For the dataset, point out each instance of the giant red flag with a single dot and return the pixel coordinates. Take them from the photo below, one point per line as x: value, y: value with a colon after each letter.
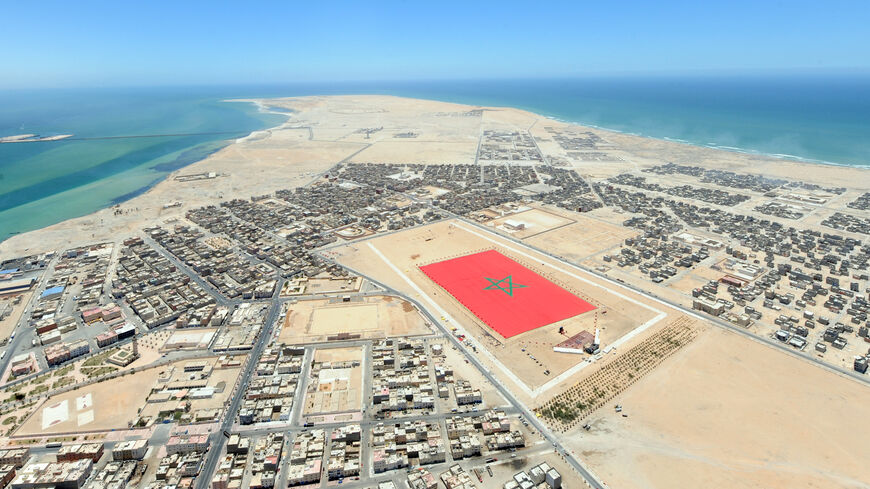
x: 505, y: 295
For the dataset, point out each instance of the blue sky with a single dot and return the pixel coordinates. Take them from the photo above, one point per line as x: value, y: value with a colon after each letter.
x: 188, y: 42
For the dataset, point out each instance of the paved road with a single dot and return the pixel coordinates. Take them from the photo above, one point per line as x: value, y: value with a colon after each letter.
x: 217, y: 438
x: 21, y: 332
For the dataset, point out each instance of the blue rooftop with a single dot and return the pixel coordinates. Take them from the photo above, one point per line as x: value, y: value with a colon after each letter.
x: 53, y: 290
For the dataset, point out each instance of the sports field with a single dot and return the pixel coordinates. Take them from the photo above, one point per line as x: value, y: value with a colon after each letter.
x: 508, y: 297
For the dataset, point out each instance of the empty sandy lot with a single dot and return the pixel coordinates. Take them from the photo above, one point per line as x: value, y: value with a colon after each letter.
x: 349, y: 354
x: 351, y: 318
x: 111, y: 404
x: 535, y: 221
x: 587, y: 236
x: 729, y: 412
x: 376, y: 316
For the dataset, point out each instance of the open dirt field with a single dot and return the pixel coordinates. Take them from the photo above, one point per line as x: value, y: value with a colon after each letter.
x: 338, y: 355
x: 9, y: 322
x: 106, y: 405
x: 427, y: 152
x: 536, y: 221
x: 529, y: 356
x: 585, y: 237
x: 370, y: 317
x: 112, y: 406
x: 351, y: 318
x: 729, y: 412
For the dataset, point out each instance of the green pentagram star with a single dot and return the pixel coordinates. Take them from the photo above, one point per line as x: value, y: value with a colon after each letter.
x: 500, y: 285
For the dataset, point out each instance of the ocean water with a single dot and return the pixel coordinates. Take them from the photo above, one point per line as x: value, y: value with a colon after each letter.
x: 822, y: 119
x: 42, y: 183
x: 810, y: 118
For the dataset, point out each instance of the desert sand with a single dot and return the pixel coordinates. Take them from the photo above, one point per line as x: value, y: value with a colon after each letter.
x: 311, y: 321
x: 727, y: 411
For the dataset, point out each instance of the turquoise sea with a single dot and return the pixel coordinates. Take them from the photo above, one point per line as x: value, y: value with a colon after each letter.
x: 812, y: 118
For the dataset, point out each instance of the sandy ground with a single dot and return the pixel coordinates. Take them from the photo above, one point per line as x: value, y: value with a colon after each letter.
x: 8, y: 324
x: 587, y: 236
x: 729, y: 412
x: 110, y: 407
x: 352, y: 318
x: 535, y: 221
x: 338, y: 354
x: 376, y: 316
x: 113, y: 407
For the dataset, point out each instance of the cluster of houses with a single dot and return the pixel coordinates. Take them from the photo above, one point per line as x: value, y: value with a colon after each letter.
x: 782, y: 209
x: 230, y: 472
x: 185, y: 455
x: 862, y: 203
x: 722, y: 178
x: 344, y: 452
x: 847, y: 222
x: 657, y: 258
x: 250, y: 225
x: 270, y: 394
x: 704, y: 194
x: 86, y: 269
x: 305, y: 463
x: 400, y: 378
x: 116, y: 475
x: 227, y: 271
x: 153, y: 287
x: 399, y: 445
x: 73, y: 467
x: 508, y: 146
x: 568, y: 190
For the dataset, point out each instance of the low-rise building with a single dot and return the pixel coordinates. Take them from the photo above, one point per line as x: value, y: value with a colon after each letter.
x: 187, y: 444
x: 80, y: 451
x: 130, y: 450
x: 64, y: 475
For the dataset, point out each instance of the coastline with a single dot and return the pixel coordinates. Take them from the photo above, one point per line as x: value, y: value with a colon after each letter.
x: 282, y: 156
x: 118, y: 170
x: 733, y: 149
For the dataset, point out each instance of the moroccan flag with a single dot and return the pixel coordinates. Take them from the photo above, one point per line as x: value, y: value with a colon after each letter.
x: 505, y: 295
